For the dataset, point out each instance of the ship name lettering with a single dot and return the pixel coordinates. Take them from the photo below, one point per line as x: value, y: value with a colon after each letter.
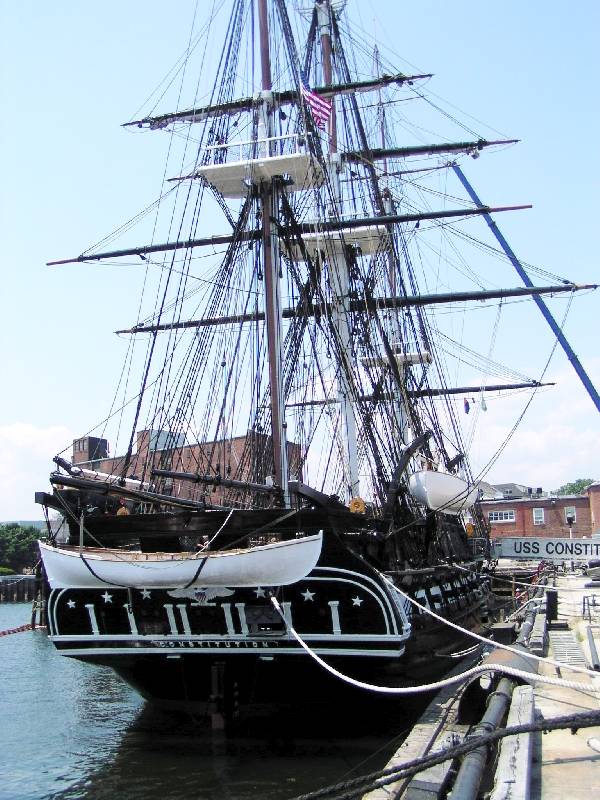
x: 215, y: 643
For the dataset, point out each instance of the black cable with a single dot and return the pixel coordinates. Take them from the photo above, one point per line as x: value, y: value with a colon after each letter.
x: 373, y: 780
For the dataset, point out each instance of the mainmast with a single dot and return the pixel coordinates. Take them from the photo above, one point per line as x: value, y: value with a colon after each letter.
x: 269, y: 203
x: 324, y: 12
x: 338, y: 268
x: 400, y: 417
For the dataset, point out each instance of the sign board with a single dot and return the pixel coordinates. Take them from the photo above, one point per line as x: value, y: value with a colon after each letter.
x: 532, y: 548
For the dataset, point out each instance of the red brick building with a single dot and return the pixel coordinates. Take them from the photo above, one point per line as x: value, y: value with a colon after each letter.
x: 545, y: 515
x: 237, y: 458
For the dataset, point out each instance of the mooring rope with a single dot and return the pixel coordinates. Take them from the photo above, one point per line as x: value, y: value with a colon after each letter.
x: 21, y: 629
x: 4, y: 585
x: 528, y: 677
x: 473, y: 635
x: 458, y: 653
x: 512, y: 582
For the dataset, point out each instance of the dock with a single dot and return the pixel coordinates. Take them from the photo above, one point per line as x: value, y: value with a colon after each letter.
x: 532, y: 765
x: 18, y: 588
x: 566, y: 764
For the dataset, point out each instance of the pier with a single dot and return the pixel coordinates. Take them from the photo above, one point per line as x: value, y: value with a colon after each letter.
x: 18, y: 588
x: 462, y: 748
x: 511, y: 724
x: 25, y: 589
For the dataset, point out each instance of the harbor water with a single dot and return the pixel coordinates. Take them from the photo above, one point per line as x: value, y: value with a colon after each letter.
x: 73, y: 730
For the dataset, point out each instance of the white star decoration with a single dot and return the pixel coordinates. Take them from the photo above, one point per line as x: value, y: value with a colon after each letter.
x: 307, y: 595
x: 356, y: 601
x: 145, y: 594
x: 106, y: 597
x: 259, y: 592
x: 71, y: 603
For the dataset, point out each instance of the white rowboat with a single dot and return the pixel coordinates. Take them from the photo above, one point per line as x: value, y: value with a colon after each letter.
x: 441, y: 491
x: 274, y: 564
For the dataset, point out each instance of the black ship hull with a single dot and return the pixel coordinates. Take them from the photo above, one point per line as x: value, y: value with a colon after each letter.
x: 195, y: 645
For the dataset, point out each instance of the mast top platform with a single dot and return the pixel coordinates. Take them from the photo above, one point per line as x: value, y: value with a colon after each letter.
x: 367, y: 241
x: 234, y: 167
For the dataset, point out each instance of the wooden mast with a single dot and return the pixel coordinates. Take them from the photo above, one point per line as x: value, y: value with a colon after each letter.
x: 338, y: 270
x: 269, y: 202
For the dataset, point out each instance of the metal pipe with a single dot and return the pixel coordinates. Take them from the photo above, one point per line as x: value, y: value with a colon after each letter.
x: 470, y: 774
x: 529, y: 621
x: 471, y: 771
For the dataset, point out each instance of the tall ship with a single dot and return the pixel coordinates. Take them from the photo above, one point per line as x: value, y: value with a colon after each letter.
x: 295, y: 469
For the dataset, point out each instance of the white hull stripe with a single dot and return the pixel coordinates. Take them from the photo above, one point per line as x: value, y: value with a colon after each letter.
x: 172, y: 651
x: 361, y: 578
x: 315, y: 637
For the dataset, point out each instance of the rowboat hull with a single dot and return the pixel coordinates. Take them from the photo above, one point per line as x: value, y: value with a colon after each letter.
x: 275, y: 564
x: 441, y: 491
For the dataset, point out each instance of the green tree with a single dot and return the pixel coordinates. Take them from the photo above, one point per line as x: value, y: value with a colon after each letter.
x: 18, y: 546
x: 575, y: 487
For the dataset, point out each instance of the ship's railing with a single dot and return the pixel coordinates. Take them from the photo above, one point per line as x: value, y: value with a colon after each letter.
x: 250, y: 149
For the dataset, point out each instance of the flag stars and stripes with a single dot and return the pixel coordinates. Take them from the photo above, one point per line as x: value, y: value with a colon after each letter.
x: 319, y: 107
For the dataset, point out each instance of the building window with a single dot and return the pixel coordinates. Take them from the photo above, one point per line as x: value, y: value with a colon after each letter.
x: 501, y: 516
x: 570, y: 512
x: 538, y: 516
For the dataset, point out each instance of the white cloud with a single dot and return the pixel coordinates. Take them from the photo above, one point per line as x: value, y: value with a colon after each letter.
x: 25, y: 463
x: 557, y: 441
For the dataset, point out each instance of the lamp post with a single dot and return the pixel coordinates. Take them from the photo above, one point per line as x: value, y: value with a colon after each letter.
x: 570, y: 521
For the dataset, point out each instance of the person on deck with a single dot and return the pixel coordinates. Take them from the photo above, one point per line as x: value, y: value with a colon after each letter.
x: 122, y: 510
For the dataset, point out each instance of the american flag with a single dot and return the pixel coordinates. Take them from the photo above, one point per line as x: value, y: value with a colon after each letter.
x: 319, y: 108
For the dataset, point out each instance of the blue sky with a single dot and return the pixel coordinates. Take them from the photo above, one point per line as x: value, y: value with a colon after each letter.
x: 73, y: 72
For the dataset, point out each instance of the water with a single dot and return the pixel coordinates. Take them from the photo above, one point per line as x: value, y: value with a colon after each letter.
x: 72, y: 730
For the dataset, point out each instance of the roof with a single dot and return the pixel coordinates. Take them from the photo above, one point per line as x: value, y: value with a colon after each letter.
x: 537, y: 499
x: 503, y: 487
x: 489, y: 491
